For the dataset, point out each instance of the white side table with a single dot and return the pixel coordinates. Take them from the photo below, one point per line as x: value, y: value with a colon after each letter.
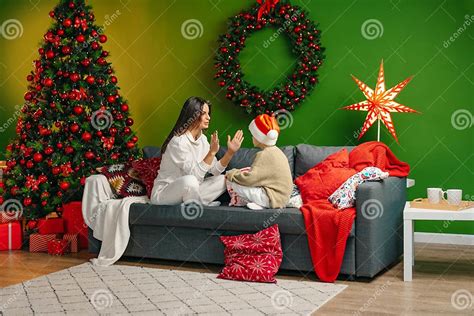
x: 412, y: 214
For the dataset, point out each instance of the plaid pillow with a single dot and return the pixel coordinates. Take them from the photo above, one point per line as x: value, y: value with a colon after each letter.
x: 123, y: 179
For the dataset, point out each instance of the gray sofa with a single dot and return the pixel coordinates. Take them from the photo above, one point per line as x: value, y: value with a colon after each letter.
x: 166, y: 232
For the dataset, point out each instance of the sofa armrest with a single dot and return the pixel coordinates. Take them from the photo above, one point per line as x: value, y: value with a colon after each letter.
x: 379, y: 224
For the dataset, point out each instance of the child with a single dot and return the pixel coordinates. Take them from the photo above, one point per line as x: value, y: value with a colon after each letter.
x: 268, y: 183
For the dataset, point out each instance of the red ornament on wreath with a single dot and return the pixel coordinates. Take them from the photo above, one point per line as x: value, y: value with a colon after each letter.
x: 304, y: 37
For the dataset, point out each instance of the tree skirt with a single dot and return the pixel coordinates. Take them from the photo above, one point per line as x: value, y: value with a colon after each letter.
x: 118, y: 289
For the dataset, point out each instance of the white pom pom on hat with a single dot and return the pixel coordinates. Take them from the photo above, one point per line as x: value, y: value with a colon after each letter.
x: 272, y: 134
x: 265, y: 129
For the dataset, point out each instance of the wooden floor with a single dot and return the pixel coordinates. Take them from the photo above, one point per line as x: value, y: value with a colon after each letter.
x: 440, y: 271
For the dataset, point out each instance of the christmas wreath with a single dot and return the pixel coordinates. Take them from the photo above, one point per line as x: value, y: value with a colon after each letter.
x: 304, y: 37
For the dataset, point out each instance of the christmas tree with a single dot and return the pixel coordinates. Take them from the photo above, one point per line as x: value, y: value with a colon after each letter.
x: 73, y: 119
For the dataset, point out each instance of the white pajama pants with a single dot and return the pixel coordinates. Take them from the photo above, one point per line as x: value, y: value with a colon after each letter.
x: 256, y: 195
x: 188, y: 189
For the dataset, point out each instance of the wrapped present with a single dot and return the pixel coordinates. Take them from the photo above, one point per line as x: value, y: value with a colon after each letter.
x: 58, y: 247
x: 73, y: 241
x: 74, y: 222
x: 11, y: 210
x: 51, y: 226
x: 8, y: 217
x: 52, y: 215
x: 39, y: 242
x: 11, y: 236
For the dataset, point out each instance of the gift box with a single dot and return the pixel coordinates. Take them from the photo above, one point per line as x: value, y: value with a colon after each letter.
x: 73, y: 241
x: 51, y: 226
x: 74, y: 222
x: 8, y: 217
x: 58, y: 247
x: 11, y: 236
x: 39, y: 242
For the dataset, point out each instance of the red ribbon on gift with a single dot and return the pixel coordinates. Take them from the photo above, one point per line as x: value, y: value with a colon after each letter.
x: 265, y: 7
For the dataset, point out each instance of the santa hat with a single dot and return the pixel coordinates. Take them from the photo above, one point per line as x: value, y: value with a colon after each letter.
x: 265, y: 129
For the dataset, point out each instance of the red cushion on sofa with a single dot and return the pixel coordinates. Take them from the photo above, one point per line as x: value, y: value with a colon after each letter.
x: 123, y: 179
x: 252, y: 257
x: 148, y: 171
x: 324, y: 178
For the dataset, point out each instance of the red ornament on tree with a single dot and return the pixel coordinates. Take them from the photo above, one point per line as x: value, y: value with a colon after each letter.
x: 37, y: 157
x: 89, y: 155
x: 74, y: 77
x: 48, y: 82
x: 50, y: 54
x: 68, y: 150
x: 27, y: 201
x: 48, y: 150
x: 74, y: 128
x: 64, y: 185
x: 78, y: 110
x: 86, y: 62
x: 111, y: 98
x: 66, y: 50
x: 67, y: 23
x: 90, y: 79
x: 86, y: 136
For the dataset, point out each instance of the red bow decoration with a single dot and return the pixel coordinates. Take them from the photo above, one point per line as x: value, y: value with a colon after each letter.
x: 32, y: 183
x: 108, y: 142
x: 66, y: 169
x: 81, y: 94
x: 80, y: 23
x: 266, y: 7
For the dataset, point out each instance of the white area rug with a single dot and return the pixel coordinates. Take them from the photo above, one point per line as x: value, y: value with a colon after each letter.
x: 90, y: 290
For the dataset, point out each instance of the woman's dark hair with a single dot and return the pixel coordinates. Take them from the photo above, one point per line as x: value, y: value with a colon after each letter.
x: 190, y: 113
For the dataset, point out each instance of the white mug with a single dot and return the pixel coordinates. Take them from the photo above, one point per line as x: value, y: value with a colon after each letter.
x: 435, y: 195
x: 454, y: 196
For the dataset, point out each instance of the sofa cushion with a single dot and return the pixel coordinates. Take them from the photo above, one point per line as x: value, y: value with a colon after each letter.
x: 244, y: 157
x: 123, y: 179
x: 319, y: 182
x: 148, y: 171
x: 252, y: 257
x: 151, y: 152
x: 307, y: 156
x: 239, y: 219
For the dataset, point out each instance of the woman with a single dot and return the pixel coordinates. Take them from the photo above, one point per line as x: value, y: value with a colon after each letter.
x: 187, y: 157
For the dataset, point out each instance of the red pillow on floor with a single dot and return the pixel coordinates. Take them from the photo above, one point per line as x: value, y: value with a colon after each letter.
x: 148, y: 171
x: 319, y: 182
x: 252, y: 257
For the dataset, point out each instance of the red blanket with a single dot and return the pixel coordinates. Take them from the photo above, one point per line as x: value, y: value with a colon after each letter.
x: 326, y: 227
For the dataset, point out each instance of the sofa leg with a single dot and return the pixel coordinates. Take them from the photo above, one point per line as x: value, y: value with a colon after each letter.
x: 350, y: 277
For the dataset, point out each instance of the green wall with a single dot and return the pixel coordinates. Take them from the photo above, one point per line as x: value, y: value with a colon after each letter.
x: 158, y: 69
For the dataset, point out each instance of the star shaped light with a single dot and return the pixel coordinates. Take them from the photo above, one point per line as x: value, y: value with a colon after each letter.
x: 380, y: 103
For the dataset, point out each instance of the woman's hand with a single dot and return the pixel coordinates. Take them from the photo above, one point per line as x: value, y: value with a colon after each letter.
x: 214, y: 146
x: 233, y: 145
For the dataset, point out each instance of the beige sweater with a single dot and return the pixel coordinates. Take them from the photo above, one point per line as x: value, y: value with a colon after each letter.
x: 270, y: 170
